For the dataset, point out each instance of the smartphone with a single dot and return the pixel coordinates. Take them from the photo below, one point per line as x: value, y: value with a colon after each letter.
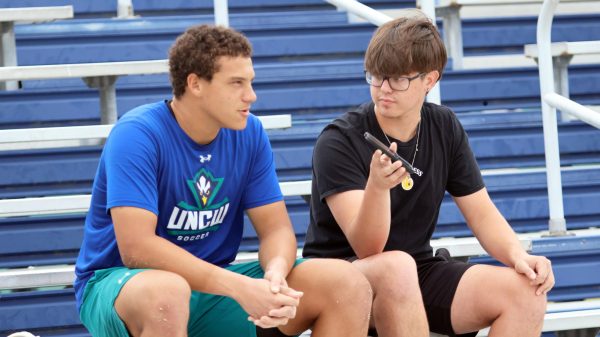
x: 386, y: 150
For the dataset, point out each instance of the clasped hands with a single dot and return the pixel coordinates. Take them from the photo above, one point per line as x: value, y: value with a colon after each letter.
x: 269, y: 301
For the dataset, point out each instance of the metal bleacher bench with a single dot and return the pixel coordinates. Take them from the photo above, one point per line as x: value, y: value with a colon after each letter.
x: 450, y: 12
x: 101, y: 76
x: 35, y: 277
x: 8, y: 17
x: 572, y: 315
x: 62, y: 275
x: 562, y: 54
x: 580, y: 314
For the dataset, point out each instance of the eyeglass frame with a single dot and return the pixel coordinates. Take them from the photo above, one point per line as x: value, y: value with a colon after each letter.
x: 369, y: 79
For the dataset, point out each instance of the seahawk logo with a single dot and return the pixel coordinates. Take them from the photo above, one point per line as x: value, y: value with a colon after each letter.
x: 203, y: 188
x: 205, y: 158
x: 195, y: 222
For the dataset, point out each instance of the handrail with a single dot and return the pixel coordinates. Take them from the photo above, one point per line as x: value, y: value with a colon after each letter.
x: 581, y: 112
x: 373, y: 16
x: 377, y: 18
x: 550, y: 101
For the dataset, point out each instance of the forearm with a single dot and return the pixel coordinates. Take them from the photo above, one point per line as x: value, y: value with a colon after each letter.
x: 277, y: 251
x: 370, y: 229
x: 498, y: 239
x: 489, y: 226
x: 154, y: 252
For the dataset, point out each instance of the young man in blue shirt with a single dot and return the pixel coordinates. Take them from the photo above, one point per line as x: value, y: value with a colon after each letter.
x: 166, y: 218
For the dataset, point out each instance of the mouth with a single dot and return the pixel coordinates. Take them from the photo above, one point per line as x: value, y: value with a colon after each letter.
x: 386, y: 100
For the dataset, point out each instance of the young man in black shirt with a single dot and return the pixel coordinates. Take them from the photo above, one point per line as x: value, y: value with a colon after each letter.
x: 371, y: 211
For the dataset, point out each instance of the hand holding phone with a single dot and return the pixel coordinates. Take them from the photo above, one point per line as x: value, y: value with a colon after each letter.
x: 393, y: 155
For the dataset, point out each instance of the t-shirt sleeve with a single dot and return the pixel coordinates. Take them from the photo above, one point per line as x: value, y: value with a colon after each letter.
x: 337, y: 166
x: 464, y: 175
x: 262, y: 187
x: 130, y: 156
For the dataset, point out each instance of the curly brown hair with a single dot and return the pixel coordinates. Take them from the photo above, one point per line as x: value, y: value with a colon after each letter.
x: 405, y: 45
x: 197, y: 50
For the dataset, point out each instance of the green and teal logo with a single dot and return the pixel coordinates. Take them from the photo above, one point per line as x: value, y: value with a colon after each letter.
x: 190, y: 222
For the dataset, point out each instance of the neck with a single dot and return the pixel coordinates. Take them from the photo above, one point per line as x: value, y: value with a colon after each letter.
x: 402, y: 128
x: 194, y: 122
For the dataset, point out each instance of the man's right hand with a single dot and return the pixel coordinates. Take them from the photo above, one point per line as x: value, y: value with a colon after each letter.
x: 385, y: 174
x: 268, y: 309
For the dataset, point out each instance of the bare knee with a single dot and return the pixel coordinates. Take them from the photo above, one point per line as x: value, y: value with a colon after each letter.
x: 517, y: 298
x: 393, y: 273
x: 156, y: 301
x: 350, y: 280
x: 170, y: 291
x: 343, y: 284
x: 527, y: 302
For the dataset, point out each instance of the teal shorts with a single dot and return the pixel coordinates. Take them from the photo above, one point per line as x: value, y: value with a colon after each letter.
x: 210, y: 315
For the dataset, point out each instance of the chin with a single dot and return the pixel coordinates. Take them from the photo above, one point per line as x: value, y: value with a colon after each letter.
x: 238, y: 126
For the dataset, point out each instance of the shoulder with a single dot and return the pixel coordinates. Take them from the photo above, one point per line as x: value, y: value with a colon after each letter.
x: 254, y: 125
x: 353, y: 123
x: 252, y: 139
x: 344, y: 136
x: 143, y: 123
x: 439, y: 113
x: 253, y: 133
x: 147, y: 116
x: 443, y: 120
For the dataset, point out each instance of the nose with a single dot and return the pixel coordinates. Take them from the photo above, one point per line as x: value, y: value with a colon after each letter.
x: 385, y: 85
x: 249, y: 95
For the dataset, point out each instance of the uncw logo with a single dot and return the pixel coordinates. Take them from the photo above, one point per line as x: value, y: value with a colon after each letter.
x: 195, y: 222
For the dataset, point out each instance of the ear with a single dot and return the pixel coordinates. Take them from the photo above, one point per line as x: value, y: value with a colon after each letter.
x: 431, y: 79
x: 194, y: 84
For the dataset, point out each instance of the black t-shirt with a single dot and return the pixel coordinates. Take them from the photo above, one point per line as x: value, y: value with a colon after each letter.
x: 341, y: 161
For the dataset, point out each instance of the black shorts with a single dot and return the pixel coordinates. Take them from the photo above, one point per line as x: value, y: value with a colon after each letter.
x: 438, y: 279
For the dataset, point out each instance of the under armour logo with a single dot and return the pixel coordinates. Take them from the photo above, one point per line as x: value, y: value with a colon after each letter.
x: 205, y: 158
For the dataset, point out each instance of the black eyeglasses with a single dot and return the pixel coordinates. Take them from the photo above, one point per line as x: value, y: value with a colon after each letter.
x: 401, y: 83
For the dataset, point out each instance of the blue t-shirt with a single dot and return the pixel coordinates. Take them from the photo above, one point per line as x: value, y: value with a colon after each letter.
x: 198, y: 192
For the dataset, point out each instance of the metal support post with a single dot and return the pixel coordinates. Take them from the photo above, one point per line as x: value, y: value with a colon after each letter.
x: 560, y: 66
x: 428, y: 7
x: 557, y: 224
x: 8, y: 54
x: 453, y: 34
x: 124, y: 9
x: 221, y: 13
x: 108, y: 97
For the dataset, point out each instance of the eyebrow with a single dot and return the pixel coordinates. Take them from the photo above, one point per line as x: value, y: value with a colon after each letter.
x: 240, y: 78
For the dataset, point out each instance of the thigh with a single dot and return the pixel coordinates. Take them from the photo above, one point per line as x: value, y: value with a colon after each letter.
x: 482, y: 294
x: 326, y: 284
x: 439, y: 280
x: 97, y: 311
x: 212, y: 315
x: 388, y: 270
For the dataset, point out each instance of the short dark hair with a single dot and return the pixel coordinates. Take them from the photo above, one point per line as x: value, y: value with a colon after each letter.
x: 405, y: 45
x: 197, y: 51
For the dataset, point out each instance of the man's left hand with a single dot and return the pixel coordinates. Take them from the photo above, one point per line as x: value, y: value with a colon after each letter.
x: 280, y: 316
x: 277, y: 280
x: 538, y: 269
